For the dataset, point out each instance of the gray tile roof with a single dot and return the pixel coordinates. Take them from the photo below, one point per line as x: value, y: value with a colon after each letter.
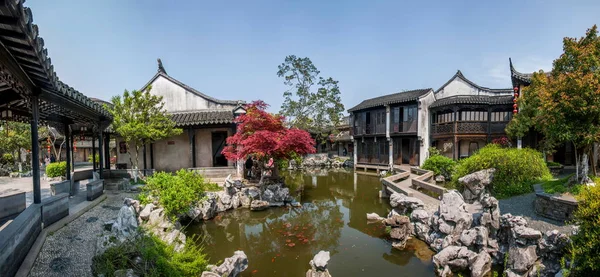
x: 462, y: 77
x: 524, y: 78
x: 21, y: 38
x: 202, y: 117
x: 400, y: 97
x: 473, y: 99
x: 163, y: 73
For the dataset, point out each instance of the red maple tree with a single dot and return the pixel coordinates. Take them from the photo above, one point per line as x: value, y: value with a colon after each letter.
x: 264, y: 135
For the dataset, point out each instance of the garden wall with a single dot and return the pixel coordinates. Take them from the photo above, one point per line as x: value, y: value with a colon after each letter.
x: 555, y: 207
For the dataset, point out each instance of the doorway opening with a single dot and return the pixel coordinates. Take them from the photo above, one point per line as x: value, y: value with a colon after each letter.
x: 218, y: 143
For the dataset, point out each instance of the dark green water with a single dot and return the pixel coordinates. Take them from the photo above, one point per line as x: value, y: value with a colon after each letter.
x: 282, y: 241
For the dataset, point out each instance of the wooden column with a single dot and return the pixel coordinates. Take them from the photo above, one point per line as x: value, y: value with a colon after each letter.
x: 101, y: 154
x: 192, y: 137
x: 93, y: 152
x: 489, y: 123
x: 71, y: 144
x: 35, y: 150
x: 68, y: 150
x: 107, y: 150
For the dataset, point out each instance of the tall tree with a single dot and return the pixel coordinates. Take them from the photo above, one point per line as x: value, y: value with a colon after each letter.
x: 14, y: 136
x: 140, y: 118
x: 52, y: 137
x: 565, y: 106
x: 264, y: 135
x: 317, y: 110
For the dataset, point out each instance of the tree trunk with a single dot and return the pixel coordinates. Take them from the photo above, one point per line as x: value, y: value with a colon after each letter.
x: 576, y: 163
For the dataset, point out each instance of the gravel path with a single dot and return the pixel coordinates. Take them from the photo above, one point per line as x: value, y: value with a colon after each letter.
x: 523, y: 205
x: 69, y: 251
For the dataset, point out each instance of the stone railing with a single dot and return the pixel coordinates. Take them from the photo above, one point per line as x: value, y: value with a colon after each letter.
x: 18, y: 237
x: 557, y: 207
x: 424, y: 181
x: 12, y: 202
x: 94, y: 189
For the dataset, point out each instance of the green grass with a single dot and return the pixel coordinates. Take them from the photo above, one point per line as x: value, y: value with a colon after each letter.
x: 154, y: 258
x: 560, y: 186
x: 553, y: 164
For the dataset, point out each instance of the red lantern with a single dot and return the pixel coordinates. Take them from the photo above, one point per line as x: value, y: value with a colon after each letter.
x: 514, y: 106
x: 515, y: 111
x: 516, y: 94
x: 515, y: 100
x: 516, y: 89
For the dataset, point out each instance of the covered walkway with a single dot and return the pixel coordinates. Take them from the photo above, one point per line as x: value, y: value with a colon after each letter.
x: 31, y: 92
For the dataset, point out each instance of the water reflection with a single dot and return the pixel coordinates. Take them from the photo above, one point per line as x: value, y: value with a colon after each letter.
x: 281, y: 241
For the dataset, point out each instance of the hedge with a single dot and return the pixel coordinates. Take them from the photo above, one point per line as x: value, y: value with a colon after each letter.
x: 440, y: 165
x: 516, y: 169
x: 56, y: 169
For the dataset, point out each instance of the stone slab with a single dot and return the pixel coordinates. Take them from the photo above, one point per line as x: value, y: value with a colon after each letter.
x: 94, y: 189
x: 54, y: 208
x: 60, y: 187
x: 18, y: 237
x: 12, y: 202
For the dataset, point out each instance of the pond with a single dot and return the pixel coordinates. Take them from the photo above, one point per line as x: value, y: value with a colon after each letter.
x: 282, y: 241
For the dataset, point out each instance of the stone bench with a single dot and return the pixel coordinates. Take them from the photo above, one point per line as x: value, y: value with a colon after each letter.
x: 61, y: 187
x: 12, y: 202
x: 18, y: 237
x: 54, y: 208
x: 94, y: 189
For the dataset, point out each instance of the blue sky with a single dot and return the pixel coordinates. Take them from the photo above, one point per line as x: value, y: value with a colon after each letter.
x: 231, y: 49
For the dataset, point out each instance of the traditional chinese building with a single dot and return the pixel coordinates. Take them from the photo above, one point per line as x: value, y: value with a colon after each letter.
x: 206, y: 123
x: 466, y: 116
x: 392, y: 129
x: 458, y: 118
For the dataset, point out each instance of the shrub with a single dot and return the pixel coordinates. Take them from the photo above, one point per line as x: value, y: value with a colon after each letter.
x: 586, y: 243
x: 56, y: 169
x: 97, y: 158
x: 175, y: 193
x: 157, y: 258
x: 7, y: 158
x: 440, y: 165
x: 516, y: 169
x: 433, y: 151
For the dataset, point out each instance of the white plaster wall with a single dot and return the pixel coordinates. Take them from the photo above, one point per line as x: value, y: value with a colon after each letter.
x: 423, y: 128
x: 459, y: 87
x: 124, y: 157
x: 464, y: 146
x: 204, y: 149
x: 176, y: 98
x: 172, y: 157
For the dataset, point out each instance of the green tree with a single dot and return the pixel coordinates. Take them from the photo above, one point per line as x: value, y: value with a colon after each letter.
x: 318, y: 110
x: 14, y: 136
x: 140, y: 118
x: 565, y: 106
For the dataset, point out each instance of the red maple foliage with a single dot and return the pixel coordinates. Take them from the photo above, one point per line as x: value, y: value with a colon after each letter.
x: 264, y: 135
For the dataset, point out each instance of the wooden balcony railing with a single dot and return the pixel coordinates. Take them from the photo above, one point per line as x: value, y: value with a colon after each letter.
x: 468, y: 127
x: 404, y: 127
x: 369, y: 129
